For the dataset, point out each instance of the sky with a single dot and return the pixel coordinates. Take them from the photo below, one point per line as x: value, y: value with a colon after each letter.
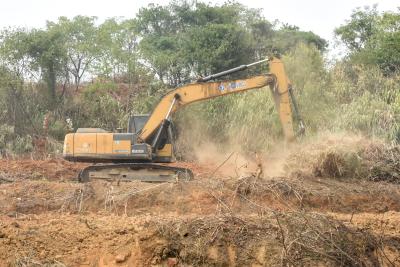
x: 319, y: 16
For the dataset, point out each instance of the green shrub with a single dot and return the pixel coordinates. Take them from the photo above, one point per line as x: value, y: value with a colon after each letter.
x: 58, y: 129
x: 20, y: 145
x: 99, y: 88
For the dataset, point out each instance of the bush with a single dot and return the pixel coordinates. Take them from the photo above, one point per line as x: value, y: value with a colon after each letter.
x: 102, y: 111
x: 58, y: 129
x: 22, y: 145
x: 12, y: 144
x: 99, y: 88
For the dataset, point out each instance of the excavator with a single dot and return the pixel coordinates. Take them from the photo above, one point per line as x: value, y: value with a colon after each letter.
x: 142, y: 151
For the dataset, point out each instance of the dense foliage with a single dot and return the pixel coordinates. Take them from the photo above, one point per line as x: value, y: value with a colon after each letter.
x: 82, y: 73
x: 373, y: 38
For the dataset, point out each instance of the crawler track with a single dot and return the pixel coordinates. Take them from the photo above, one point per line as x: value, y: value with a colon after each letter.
x: 146, y: 172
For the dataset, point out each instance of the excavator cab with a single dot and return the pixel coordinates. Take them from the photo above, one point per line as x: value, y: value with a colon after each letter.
x: 164, y: 151
x: 137, y: 122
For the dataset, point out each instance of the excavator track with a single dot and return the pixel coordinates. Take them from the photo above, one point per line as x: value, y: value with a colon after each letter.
x: 145, y: 172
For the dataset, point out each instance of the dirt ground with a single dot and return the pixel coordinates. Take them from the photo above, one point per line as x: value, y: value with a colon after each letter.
x: 229, y: 215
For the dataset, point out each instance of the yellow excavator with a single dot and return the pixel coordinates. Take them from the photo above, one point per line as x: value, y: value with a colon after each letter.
x: 137, y: 154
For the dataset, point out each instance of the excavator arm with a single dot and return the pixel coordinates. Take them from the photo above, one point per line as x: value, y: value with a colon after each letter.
x: 277, y: 80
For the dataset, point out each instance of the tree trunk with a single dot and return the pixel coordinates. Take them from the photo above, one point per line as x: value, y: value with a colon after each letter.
x: 51, y: 84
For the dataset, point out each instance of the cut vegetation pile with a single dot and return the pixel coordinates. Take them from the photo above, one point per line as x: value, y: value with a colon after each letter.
x: 272, y: 239
x: 347, y: 157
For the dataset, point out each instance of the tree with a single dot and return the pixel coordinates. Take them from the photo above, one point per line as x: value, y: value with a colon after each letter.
x: 184, y: 40
x: 119, y: 43
x: 48, y: 53
x: 262, y: 32
x: 10, y: 100
x: 80, y: 39
x: 386, y: 42
x: 181, y: 41
x: 358, y: 31
x: 217, y: 47
x: 14, y: 51
x: 373, y: 38
x: 287, y: 38
x: 161, y: 44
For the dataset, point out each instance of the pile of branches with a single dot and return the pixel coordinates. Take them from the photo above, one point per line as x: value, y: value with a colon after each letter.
x: 290, y: 239
x: 332, y: 164
x: 382, y: 163
x: 375, y: 162
x: 364, y: 159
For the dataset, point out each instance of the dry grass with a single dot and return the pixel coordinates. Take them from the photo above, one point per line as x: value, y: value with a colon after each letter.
x: 347, y: 156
